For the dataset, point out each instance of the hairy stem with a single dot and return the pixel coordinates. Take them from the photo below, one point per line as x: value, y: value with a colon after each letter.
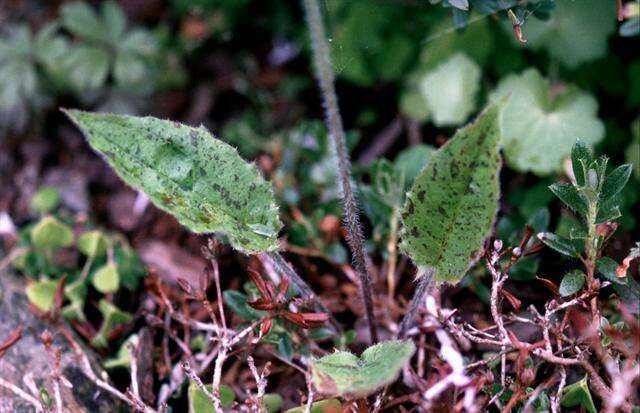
x: 283, y: 267
x: 324, y: 74
x: 425, y: 281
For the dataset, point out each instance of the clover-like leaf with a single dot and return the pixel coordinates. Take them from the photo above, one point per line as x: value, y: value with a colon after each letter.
x: 49, y: 233
x: 343, y: 373
x: 576, y: 32
x: 106, y: 279
x: 453, y: 203
x: 93, y: 243
x: 538, y: 130
x: 42, y: 294
x: 112, y: 317
x: 449, y: 90
x: 187, y: 172
x: 45, y: 200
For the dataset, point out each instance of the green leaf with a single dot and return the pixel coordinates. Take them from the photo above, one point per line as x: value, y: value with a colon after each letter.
x: 272, y: 402
x: 200, y: 403
x: 452, y: 205
x: 49, y: 233
x: 576, y: 32
x: 608, y: 210
x: 559, y: 243
x: 45, y: 200
x: 411, y: 161
x: 185, y: 171
x: 237, y: 302
x: 112, y: 317
x: 581, y: 158
x: 123, y: 356
x: 570, y: 196
x: 42, y: 294
x: 578, y: 394
x: 93, y: 243
x: 80, y: 19
x: 615, y: 181
x: 106, y: 279
x: 538, y: 131
x: 322, y: 406
x: 571, y: 283
x: 114, y: 20
x: 76, y: 292
x: 450, y: 90
x: 88, y: 67
x: 607, y: 268
x: 344, y: 374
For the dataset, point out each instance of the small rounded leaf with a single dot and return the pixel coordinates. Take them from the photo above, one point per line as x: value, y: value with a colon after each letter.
x: 93, y: 244
x: 107, y: 279
x: 50, y: 233
x: 45, y: 200
x: 200, y: 403
x: 42, y: 294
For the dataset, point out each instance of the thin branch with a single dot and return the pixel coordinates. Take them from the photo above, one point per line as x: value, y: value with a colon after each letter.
x: 22, y: 394
x: 324, y: 74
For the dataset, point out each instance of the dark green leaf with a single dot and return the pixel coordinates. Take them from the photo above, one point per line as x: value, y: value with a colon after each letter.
x: 570, y: 196
x: 578, y: 394
x: 559, y: 243
x: 571, y: 283
x: 615, y: 181
x: 581, y: 158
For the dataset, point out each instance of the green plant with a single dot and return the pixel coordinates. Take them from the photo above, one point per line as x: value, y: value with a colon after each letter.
x: 345, y: 374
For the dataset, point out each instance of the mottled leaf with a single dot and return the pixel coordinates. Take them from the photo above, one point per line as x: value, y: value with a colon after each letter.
x: 615, y: 181
x: 452, y: 205
x: 570, y: 196
x: 538, y: 128
x: 185, y: 171
x: 345, y: 374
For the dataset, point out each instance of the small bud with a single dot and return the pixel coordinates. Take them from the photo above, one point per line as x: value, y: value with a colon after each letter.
x: 46, y: 338
x: 497, y: 245
x: 592, y: 178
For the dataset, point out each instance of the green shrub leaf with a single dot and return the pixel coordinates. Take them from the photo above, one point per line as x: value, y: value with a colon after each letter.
x: 200, y: 403
x: 323, y: 406
x: 559, y: 243
x: 453, y: 202
x: 578, y: 394
x: 570, y: 196
x: 185, y: 171
x: 615, y: 181
x: 345, y: 374
x: 538, y: 131
x: 571, y: 283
